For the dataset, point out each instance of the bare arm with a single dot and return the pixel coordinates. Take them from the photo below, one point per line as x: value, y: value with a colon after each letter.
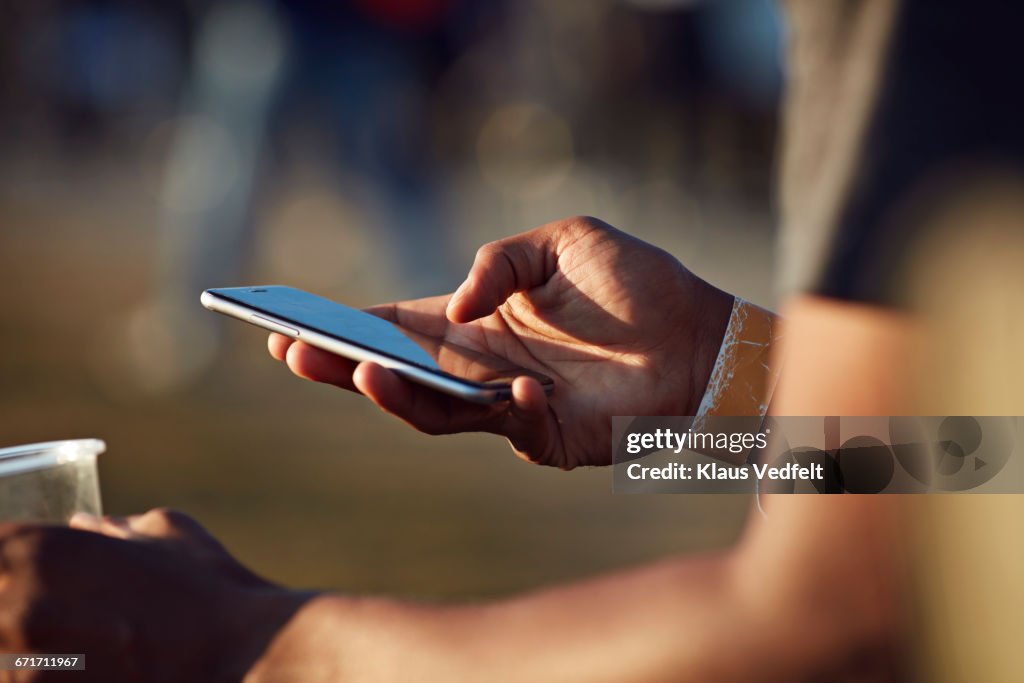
x: 813, y: 591
x: 648, y: 624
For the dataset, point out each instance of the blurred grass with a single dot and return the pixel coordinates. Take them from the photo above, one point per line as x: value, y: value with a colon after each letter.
x: 308, y: 485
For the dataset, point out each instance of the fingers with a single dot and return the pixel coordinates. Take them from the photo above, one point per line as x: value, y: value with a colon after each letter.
x: 108, y: 525
x: 165, y: 523
x: 527, y: 424
x: 528, y: 399
x: 501, y: 268
x: 156, y: 523
x: 426, y: 409
x: 318, y: 365
x: 278, y: 345
x: 312, y: 363
x: 384, y: 388
x: 526, y: 420
x: 422, y: 315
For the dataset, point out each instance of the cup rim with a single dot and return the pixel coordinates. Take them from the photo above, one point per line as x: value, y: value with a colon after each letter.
x: 37, y: 456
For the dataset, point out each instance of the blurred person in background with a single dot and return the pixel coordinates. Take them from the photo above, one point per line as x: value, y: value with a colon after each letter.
x: 887, y: 101
x: 356, y: 79
x: 356, y: 75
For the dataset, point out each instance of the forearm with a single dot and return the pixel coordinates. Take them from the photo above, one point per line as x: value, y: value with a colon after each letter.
x: 662, y: 622
x: 844, y: 358
x: 766, y: 612
x: 840, y: 358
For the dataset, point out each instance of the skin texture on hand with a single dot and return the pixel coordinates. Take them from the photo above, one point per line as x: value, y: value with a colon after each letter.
x: 621, y: 326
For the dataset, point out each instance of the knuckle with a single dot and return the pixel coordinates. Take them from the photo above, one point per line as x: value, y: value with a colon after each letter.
x: 162, y: 520
x: 585, y: 224
x: 153, y: 521
x: 488, y: 251
x: 158, y: 514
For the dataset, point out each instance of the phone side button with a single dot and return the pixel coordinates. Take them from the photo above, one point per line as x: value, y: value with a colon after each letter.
x: 273, y: 326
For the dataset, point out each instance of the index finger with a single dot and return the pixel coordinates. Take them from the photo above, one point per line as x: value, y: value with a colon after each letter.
x: 426, y: 316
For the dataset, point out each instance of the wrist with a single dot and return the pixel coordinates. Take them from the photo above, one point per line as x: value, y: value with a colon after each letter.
x: 251, y: 621
x: 710, y: 323
x: 329, y: 637
x: 743, y: 376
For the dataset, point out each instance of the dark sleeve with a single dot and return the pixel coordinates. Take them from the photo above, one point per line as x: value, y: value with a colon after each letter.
x: 893, y: 106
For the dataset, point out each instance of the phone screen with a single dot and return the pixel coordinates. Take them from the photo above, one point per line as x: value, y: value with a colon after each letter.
x: 370, y: 332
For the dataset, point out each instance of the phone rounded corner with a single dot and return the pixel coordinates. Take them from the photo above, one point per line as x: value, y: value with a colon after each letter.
x: 207, y: 298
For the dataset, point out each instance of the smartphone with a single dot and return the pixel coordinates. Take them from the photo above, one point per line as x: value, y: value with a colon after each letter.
x: 360, y: 336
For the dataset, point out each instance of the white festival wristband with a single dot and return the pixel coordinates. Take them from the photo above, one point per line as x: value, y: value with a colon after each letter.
x: 743, y: 378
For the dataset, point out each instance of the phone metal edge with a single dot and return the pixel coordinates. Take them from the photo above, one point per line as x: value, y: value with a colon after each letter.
x: 454, y: 387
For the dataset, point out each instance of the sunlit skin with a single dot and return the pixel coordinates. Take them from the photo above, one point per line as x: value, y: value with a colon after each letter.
x: 814, y: 592
x: 622, y: 327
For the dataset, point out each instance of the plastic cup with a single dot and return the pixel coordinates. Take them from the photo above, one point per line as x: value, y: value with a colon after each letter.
x: 49, y: 482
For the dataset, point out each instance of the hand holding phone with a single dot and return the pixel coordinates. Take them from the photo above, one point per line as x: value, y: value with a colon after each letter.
x: 620, y: 326
x: 428, y: 359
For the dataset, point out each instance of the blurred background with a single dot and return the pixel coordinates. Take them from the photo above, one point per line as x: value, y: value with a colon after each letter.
x: 362, y: 150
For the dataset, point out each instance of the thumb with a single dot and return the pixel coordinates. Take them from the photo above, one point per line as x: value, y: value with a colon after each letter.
x: 502, y: 268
